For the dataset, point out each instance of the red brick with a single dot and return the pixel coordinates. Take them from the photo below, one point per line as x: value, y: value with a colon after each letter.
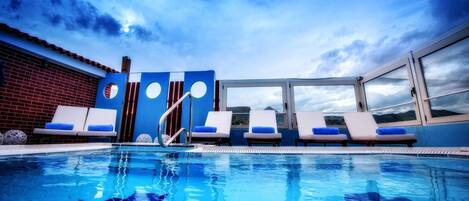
x: 31, y: 93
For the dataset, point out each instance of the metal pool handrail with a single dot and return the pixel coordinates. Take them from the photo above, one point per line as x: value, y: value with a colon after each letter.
x: 163, y: 118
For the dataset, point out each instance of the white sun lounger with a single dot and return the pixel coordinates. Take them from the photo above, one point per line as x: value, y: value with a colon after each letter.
x: 219, y: 119
x: 98, y: 116
x: 362, y: 127
x: 309, y: 120
x: 263, y: 118
x: 69, y: 115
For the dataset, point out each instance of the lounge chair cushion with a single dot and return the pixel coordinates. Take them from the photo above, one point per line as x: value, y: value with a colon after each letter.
x: 263, y: 129
x: 338, y: 137
x: 325, y: 131
x: 101, y: 127
x: 205, y: 129
x: 97, y: 133
x: 58, y: 126
x: 209, y: 135
x: 398, y: 137
x: 263, y: 135
x: 391, y: 131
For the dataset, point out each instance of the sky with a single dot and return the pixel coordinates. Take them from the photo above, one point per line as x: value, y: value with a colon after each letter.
x: 239, y: 39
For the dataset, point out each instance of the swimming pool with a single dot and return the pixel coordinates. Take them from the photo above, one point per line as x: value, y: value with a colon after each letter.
x: 151, y: 173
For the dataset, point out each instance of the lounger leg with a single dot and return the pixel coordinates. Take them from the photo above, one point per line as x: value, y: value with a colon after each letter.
x: 344, y: 144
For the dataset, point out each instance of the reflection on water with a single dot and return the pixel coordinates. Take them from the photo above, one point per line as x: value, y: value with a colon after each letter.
x: 121, y: 174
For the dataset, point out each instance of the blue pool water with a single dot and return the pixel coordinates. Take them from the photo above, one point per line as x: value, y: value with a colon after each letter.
x: 132, y: 173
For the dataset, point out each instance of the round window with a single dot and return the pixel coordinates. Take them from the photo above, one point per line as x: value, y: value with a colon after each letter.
x: 110, y: 91
x: 153, y: 90
x: 198, y: 89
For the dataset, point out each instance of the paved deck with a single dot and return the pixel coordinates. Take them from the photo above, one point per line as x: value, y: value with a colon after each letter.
x: 50, y: 148
x: 419, y: 151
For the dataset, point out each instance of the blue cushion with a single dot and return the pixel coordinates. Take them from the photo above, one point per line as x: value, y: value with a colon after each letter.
x: 325, y: 131
x: 102, y: 127
x: 205, y: 129
x: 59, y: 126
x: 263, y: 129
x: 391, y: 131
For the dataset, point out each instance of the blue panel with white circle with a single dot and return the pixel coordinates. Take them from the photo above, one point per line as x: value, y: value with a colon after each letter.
x: 201, y: 84
x: 111, y: 94
x: 152, y: 103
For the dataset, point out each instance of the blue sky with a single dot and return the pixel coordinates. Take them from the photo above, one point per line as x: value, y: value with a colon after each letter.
x: 238, y: 38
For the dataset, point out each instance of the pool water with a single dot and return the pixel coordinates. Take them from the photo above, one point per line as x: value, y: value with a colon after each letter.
x: 133, y: 173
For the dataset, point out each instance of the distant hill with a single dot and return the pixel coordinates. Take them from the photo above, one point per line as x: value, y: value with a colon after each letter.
x: 246, y: 109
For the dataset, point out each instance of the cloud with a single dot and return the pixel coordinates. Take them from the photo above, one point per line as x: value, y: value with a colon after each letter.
x: 141, y: 33
x: 73, y: 15
x: 362, y: 55
x: 340, y: 61
x: 107, y: 24
x: 238, y: 39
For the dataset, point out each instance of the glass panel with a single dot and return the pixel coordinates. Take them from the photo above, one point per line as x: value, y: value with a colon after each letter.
x: 332, y: 100
x: 336, y: 120
x: 388, y: 97
x: 327, y: 99
x: 241, y: 100
x: 455, y: 104
x: 404, y: 112
x: 446, y: 71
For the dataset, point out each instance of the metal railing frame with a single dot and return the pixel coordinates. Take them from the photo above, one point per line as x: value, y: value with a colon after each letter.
x: 162, y: 122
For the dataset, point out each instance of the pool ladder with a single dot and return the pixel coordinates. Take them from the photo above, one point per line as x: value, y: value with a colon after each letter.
x: 162, y: 123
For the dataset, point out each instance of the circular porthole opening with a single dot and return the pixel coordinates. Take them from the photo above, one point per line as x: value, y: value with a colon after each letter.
x: 153, y: 90
x: 198, y: 89
x: 110, y: 91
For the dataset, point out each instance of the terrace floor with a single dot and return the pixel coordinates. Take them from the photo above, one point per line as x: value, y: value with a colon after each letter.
x: 6, y: 150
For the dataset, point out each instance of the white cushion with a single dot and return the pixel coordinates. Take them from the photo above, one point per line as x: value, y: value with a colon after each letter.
x: 324, y: 137
x: 43, y: 131
x: 395, y: 137
x: 99, y: 116
x: 221, y: 120
x: 71, y: 115
x: 263, y: 135
x: 361, y: 125
x: 209, y: 135
x: 97, y: 133
x: 262, y: 118
x: 309, y: 120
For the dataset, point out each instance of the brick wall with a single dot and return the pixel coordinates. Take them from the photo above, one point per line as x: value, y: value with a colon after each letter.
x: 32, y: 90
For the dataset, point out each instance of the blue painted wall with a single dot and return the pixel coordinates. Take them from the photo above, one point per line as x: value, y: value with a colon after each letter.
x: 149, y: 110
x: 117, y: 103
x: 441, y: 135
x: 200, y: 106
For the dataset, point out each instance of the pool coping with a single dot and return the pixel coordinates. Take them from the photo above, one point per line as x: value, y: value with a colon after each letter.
x: 459, y: 152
